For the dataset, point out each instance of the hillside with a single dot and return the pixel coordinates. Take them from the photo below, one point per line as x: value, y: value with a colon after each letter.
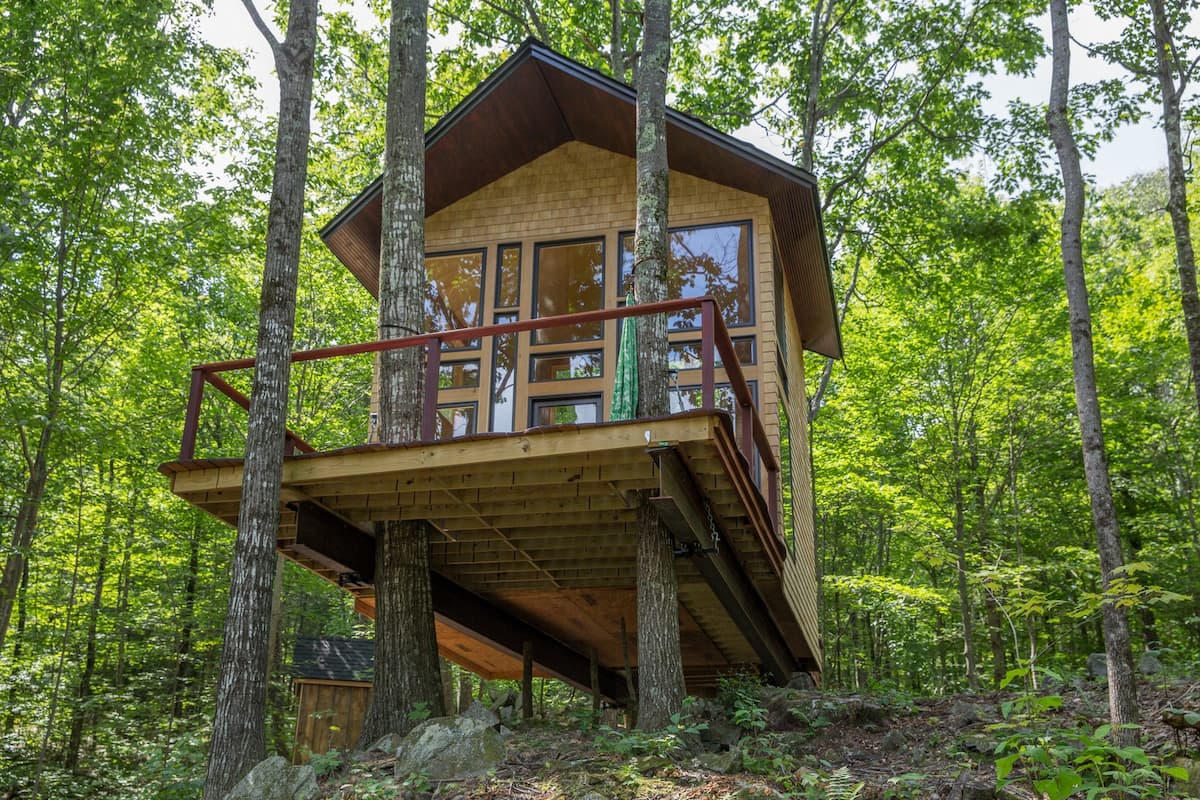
x: 811, y: 744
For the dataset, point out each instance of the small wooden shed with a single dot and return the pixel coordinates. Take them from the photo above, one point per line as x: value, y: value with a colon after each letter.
x: 332, y: 679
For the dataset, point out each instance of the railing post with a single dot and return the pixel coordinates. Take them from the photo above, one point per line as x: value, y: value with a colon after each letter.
x: 773, y: 499
x: 708, y: 361
x: 433, y: 369
x: 747, y: 435
x: 191, y: 420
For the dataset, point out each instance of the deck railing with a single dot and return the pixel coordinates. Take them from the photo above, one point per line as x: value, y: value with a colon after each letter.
x: 714, y: 338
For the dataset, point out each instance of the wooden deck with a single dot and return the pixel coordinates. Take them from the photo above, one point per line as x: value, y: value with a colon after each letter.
x: 535, y: 540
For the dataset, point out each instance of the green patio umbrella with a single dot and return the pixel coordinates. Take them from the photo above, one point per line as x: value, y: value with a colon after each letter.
x: 625, y: 387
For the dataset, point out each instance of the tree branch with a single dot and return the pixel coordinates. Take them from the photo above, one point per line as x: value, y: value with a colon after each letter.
x: 262, y: 26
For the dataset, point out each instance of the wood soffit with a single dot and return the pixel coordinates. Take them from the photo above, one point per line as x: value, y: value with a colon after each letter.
x: 538, y: 100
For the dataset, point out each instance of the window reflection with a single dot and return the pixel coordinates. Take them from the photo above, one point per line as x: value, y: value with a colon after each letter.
x: 569, y: 279
x: 458, y: 374
x: 456, y: 420
x: 713, y: 260
x: 454, y: 293
x: 508, y: 281
x: 504, y: 363
x: 566, y: 366
x: 686, y: 355
x: 566, y: 410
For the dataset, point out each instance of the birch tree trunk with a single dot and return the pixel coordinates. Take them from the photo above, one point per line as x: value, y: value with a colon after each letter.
x: 239, y: 734
x: 1122, y: 689
x: 660, y: 667
x: 1166, y: 64
x: 407, y: 676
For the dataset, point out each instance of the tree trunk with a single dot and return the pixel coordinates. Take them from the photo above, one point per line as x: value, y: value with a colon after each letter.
x: 10, y: 718
x: 660, y: 669
x: 123, y: 589
x: 239, y: 733
x: 406, y: 657
x: 466, y: 690
x: 407, y: 679
x: 960, y: 569
x: 527, y: 681
x: 1177, y: 203
x: 616, y: 55
x: 183, y: 648
x: 83, y: 693
x: 1122, y: 690
x: 39, y: 465
x: 446, y: 675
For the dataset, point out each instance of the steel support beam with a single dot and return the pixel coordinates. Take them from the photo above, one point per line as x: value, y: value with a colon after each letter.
x: 328, y: 538
x: 681, y: 506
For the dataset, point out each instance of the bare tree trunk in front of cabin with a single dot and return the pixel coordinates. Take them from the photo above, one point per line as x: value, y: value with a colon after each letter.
x: 239, y: 734
x: 407, y: 676
x: 1167, y: 66
x: 1122, y: 689
x: 660, y: 664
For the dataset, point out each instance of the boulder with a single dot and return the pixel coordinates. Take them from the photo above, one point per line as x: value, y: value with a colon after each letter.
x: 1148, y: 664
x: 274, y: 779
x: 479, y: 712
x: 388, y: 743
x: 449, y: 748
x: 964, y: 714
x: 1097, y: 666
x: 723, y: 763
x: 801, y: 680
x: 721, y: 733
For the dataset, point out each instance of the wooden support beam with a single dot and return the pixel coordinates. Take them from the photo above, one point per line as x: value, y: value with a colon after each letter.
x: 331, y: 539
x: 683, y: 511
x: 527, y: 681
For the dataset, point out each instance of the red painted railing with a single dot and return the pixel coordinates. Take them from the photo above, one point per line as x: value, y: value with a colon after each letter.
x: 714, y: 338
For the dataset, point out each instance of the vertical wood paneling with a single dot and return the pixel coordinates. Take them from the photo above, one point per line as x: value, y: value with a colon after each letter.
x: 329, y: 715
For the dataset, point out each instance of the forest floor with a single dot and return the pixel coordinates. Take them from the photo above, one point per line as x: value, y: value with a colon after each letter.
x: 811, y: 744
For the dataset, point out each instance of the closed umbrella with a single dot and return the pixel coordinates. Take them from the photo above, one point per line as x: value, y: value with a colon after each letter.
x: 625, y: 387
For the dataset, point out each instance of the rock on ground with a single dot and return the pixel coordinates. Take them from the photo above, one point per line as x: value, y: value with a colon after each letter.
x: 274, y: 779
x: 449, y: 748
x: 481, y: 713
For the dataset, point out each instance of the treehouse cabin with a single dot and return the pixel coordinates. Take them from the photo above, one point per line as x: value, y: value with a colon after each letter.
x: 528, y: 484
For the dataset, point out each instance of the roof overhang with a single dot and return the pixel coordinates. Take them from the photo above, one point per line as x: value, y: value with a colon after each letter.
x: 538, y: 100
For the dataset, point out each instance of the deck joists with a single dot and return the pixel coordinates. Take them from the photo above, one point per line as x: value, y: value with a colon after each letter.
x: 542, y: 524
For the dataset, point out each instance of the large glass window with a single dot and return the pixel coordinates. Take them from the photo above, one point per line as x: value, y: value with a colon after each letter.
x: 454, y: 293
x: 566, y: 366
x: 455, y: 420
x: 709, y: 259
x: 565, y: 410
x: 568, y: 278
x: 504, y: 376
x: 508, y: 279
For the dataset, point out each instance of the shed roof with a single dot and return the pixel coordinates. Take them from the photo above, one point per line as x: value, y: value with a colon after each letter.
x: 332, y: 658
x: 538, y: 100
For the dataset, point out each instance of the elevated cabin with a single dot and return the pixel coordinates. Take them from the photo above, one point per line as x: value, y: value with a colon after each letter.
x: 530, y: 187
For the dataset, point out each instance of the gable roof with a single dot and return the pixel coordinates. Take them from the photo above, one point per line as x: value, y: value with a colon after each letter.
x: 331, y: 658
x: 538, y: 100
